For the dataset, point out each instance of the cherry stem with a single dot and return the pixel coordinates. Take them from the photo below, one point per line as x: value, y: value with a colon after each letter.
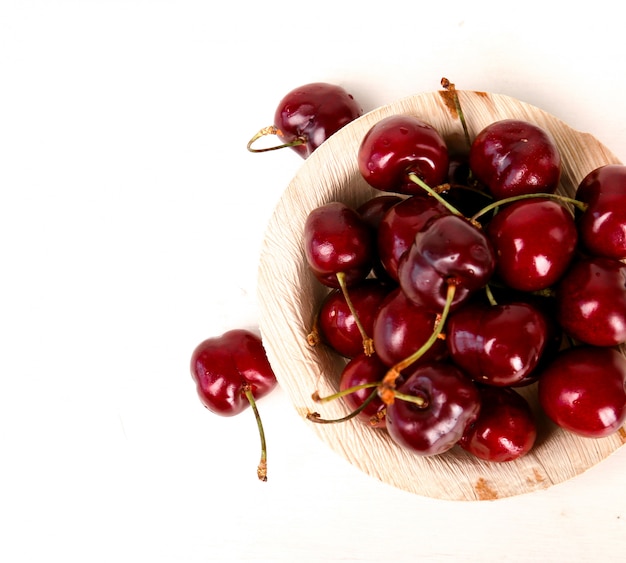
x: 563, y: 199
x: 262, y: 467
x: 271, y: 130
x: 433, y: 192
x: 315, y: 417
x: 387, y: 386
x: 449, y: 86
x: 490, y: 297
x: 347, y: 391
x: 368, y: 343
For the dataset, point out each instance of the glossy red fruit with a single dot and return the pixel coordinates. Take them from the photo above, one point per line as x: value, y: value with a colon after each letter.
x: 224, y: 366
x: 337, y: 325
x: 397, y: 145
x: 360, y: 370
x: 583, y: 390
x: 591, y: 301
x: 602, y: 226
x: 514, y: 157
x: 374, y: 209
x: 534, y: 241
x: 497, y: 345
x: 450, y: 403
x: 310, y: 114
x: 337, y: 239
x: 400, y: 224
x: 505, y: 429
x: 401, y: 327
x: 449, y: 251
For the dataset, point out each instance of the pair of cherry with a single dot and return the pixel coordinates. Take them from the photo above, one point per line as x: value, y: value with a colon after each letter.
x: 433, y: 259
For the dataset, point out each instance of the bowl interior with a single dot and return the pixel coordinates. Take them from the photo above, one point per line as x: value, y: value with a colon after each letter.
x: 288, y: 296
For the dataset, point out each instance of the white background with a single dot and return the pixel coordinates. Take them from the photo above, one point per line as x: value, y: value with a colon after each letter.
x: 131, y: 219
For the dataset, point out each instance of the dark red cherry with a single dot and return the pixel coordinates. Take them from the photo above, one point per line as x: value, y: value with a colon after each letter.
x: 602, y: 227
x: 449, y: 403
x: 398, y: 145
x: 400, y: 224
x: 514, y: 157
x: 373, y: 210
x: 361, y: 370
x: 583, y: 390
x: 224, y: 366
x: 309, y: 115
x: 401, y: 327
x: 338, y: 240
x: 591, y: 301
x: 336, y: 323
x: 450, y: 251
x: 505, y: 429
x: 534, y: 241
x: 497, y: 345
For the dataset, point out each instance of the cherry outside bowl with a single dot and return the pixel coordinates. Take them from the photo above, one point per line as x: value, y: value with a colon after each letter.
x: 288, y: 295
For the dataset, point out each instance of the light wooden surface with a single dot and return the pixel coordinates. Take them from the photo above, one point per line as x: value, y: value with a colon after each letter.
x: 132, y: 220
x: 289, y: 296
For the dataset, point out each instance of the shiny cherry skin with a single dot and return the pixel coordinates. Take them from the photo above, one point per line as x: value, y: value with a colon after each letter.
x: 337, y: 239
x: 514, y: 157
x: 583, y: 390
x: 358, y: 371
x: 336, y: 324
x: 223, y: 366
x: 591, y: 301
x: 401, y: 327
x: 602, y: 226
x: 451, y: 403
x: 400, y: 224
x: 397, y: 145
x: 534, y: 241
x: 374, y: 209
x: 505, y: 429
x: 312, y: 113
x: 497, y: 345
x: 449, y: 250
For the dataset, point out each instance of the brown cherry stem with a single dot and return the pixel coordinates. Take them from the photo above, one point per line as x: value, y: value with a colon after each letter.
x: 387, y: 386
x: 449, y: 86
x: 562, y: 198
x: 315, y: 417
x: 271, y: 130
x: 368, y: 342
x: 262, y: 467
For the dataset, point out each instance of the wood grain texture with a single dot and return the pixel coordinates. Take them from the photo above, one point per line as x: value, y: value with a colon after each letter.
x: 288, y: 295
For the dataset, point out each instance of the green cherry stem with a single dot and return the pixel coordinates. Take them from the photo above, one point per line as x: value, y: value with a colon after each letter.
x: 339, y: 394
x: 557, y: 197
x: 271, y: 130
x: 433, y: 192
x: 315, y: 417
x: 449, y: 87
x: 368, y: 342
x: 262, y: 467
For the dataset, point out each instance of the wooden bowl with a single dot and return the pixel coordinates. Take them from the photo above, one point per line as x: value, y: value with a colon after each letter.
x: 288, y: 296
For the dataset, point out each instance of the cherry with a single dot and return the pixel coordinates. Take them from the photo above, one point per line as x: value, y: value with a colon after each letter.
x: 308, y: 115
x: 497, y: 344
x: 591, y: 301
x: 231, y: 372
x: 583, y: 390
x: 338, y: 241
x: 336, y: 324
x: 602, y: 226
x: 534, y: 240
x: 401, y: 327
x: 432, y: 408
x: 398, y: 145
x: 400, y: 224
x: 505, y: 429
x: 374, y: 209
x: 450, y: 251
x: 513, y: 157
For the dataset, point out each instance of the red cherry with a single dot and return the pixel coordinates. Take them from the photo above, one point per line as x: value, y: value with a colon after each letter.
x: 602, y: 226
x: 308, y: 115
x: 497, y: 345
x: 505, y: 429
x: 534, y: 241
x: 591, y: 301
x: 583, y: 390
x: 514, y: 157
x: 398, y: 145
x: 449, y: 403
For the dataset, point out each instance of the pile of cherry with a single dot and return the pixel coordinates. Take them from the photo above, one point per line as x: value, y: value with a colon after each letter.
x: 467, y: 278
